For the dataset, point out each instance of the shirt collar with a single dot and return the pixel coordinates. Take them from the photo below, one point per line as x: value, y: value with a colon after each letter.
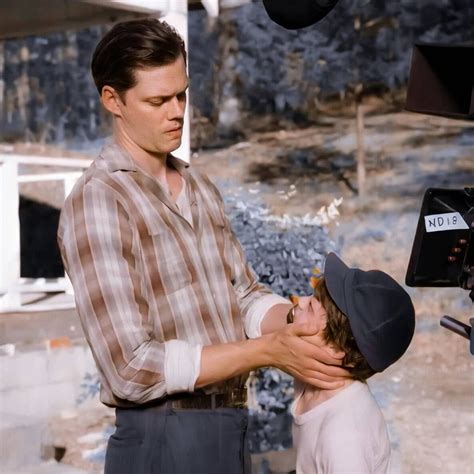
x: 178, y: 163
x: 118, y: 159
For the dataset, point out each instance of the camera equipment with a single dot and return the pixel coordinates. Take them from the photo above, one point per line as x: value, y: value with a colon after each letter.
x: 441, y: 82
x: 298, y: 13
x: 443, y: 248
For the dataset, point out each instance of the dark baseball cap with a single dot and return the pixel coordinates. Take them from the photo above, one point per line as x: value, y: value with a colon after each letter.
x: 298, y: 13
x: 380, y: 311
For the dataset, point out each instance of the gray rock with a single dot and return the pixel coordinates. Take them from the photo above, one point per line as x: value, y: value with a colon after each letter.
x: 282, y: 253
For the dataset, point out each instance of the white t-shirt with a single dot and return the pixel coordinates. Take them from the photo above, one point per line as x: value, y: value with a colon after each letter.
x: 344, y: 434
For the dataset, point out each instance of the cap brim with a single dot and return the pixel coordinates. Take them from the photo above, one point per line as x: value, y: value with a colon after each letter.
x: 335, y: 273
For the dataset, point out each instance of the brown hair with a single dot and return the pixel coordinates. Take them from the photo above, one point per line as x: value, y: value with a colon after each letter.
x: 339, y: 334
x: 132, y: 45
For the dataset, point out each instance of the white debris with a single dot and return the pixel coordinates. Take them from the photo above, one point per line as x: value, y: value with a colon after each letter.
x: 91, y: 438
x: 323, y: 216
x: 241, y: 145
x: 7, y: 349
x: 94, y: 452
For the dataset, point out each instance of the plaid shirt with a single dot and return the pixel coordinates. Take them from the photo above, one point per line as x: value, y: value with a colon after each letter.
x: 150, y: 288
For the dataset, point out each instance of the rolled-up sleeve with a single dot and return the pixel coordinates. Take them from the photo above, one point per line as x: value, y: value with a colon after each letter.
x: 182, y: 366
x: 96, y: 243
x: 257, y: 311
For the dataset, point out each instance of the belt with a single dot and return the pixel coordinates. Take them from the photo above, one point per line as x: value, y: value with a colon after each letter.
x: 234, y: 398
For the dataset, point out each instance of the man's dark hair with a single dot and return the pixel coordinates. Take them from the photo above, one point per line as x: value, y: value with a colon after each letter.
x: 339, y: 334
x: 132, y: 45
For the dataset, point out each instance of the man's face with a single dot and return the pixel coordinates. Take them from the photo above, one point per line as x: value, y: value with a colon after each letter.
x: 153, y: 110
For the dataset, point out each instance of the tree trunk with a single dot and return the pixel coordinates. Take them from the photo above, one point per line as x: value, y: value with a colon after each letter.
x: 360, y: 148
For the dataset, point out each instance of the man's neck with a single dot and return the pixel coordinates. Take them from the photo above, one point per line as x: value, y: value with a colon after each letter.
x: 153, y: 164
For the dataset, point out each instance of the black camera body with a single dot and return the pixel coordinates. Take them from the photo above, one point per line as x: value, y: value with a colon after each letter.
x: 443, y: 248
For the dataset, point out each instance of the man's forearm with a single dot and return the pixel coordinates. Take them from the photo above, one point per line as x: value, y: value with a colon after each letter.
x: 284, y: 349
x: 223, y: 361
x: 275, y: 318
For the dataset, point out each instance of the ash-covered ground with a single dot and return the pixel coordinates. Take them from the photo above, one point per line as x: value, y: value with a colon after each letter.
x: 284, y: 190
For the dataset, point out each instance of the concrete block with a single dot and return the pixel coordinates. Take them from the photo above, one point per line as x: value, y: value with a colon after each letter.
x: 62, y: 396
x: 23, y: 370
x: 22, y: 401
x: 21, y: 438
x: 42, y: 383
x: 50, y: 467
x: 65, y: 364
x: 41, y: 401
x: 69, y: 364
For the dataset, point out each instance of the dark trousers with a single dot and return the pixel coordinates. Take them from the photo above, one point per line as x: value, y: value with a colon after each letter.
x: 172, y: 441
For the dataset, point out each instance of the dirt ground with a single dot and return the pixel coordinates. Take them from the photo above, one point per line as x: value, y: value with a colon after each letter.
x: 428, y: 396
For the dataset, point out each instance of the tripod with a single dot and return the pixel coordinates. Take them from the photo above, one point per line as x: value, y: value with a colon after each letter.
x: 460, y: 328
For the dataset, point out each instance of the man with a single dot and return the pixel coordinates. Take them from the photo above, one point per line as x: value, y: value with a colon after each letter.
x: 370, y: 318
x: 162, y: 288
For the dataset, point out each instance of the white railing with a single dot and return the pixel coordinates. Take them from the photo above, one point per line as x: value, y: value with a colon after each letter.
x: 16, y: 293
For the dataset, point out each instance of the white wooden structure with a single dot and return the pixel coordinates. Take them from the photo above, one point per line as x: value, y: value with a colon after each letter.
x: 13, y: 288
x: 23, y: 17
x: 27, y: 17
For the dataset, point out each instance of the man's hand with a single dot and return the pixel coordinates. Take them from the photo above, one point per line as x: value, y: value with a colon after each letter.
x: 296, y: 349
